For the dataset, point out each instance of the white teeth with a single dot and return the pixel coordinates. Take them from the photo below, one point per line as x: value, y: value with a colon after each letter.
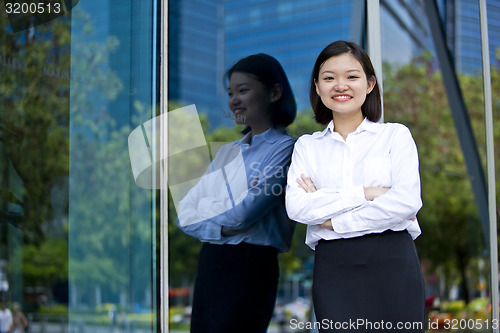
x: 241, y: 117
x: 342, y: 97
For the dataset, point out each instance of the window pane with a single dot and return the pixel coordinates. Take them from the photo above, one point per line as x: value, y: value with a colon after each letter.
x: 453, y: 247
x: 78, y: 236
x: 205, y: 39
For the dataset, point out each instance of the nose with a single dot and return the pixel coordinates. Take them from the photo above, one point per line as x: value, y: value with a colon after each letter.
x: 234, y: 100
x: 341, y: 85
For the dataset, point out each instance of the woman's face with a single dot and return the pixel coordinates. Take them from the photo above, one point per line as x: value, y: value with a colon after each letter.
x: 342, y: 85
x: 250, y: 101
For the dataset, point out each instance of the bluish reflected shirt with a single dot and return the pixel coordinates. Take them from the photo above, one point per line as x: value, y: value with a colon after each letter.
x: 246, y: 184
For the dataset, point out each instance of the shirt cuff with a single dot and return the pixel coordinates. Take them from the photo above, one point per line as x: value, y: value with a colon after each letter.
x: 343, y: 223
x: 212, y: 231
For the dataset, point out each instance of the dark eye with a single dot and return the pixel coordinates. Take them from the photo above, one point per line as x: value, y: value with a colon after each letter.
x: 242, y: 91
x: 352, y: 77
x: 328, y: 78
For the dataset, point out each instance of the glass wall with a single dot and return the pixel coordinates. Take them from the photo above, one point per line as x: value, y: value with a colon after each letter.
x: 453, y: 247
x: 78, y: 236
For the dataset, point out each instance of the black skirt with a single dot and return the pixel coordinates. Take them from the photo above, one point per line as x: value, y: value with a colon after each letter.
x: 235, y: 288
x: 371, y: 283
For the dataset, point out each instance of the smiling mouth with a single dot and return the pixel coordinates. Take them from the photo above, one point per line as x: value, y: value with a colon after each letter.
x: 236, y: 115
x: 342, y: 98
x: 240, y: 117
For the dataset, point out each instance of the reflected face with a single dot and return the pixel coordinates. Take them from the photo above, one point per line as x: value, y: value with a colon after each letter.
x: 342, y: 84
x: 250, y: 101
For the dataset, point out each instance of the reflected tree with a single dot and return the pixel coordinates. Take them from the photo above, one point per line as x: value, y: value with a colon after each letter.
x: 46, y: 78
x: 34, y: 147
x: 34, y: 99
x: 452, y: 235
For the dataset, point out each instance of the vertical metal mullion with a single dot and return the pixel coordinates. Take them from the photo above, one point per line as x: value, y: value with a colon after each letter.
x: 164, y: 167
x: 490, y: 156
x: 374, y: 42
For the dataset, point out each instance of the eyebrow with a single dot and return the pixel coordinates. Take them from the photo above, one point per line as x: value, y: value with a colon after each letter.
x: 241, y: 84
x: 332, y: 72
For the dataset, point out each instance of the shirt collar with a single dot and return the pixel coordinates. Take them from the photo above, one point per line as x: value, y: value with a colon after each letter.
x: 271, y: 135
x: 366, y: 125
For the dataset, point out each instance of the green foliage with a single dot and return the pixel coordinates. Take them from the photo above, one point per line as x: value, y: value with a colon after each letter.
x: 34, y: 129
x: 304, y: 124
x: 59, y: 309
x: 453, y: 307
x: 46, y: 264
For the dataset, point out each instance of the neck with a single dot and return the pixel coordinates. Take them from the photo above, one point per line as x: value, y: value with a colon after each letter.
x: 346, y: 124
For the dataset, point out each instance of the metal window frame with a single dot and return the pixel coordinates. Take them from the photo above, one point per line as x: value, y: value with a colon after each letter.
x: 490, y: 163
x: 163, y: 260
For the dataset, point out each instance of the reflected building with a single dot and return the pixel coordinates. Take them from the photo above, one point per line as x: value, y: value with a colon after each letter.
x: 462, y: 27
x: 402, y: 21
x: 196, y: 57
x: 294, y: 32
x: 203, y: 46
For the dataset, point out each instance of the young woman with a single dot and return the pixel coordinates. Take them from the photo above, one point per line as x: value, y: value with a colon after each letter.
x: 237, y: 208
x: 357, y: 187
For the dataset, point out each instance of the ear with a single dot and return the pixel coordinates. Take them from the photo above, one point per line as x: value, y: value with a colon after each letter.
x: 371, y: 84
x: 276, y: 93
x: 317, y: 88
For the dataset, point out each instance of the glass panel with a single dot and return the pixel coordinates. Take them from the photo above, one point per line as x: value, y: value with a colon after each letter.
x: 453, y: 247
x: 34, y: 147
x: 112, y: 272
x: 78, y: 236
x: 205, y: 39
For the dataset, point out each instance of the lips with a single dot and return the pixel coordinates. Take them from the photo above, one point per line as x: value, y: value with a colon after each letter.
x: 341, y: 98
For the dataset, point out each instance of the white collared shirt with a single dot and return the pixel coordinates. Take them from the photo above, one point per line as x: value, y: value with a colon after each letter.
x: 382, y: 155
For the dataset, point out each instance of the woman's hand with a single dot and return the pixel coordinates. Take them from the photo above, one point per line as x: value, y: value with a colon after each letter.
x: 327, y: 224
x: 374, y: 192
x: 226, y: 232
x: 306, y: 184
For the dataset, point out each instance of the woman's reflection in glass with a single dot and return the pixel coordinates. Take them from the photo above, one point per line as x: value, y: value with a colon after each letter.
x: 237, y: 207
